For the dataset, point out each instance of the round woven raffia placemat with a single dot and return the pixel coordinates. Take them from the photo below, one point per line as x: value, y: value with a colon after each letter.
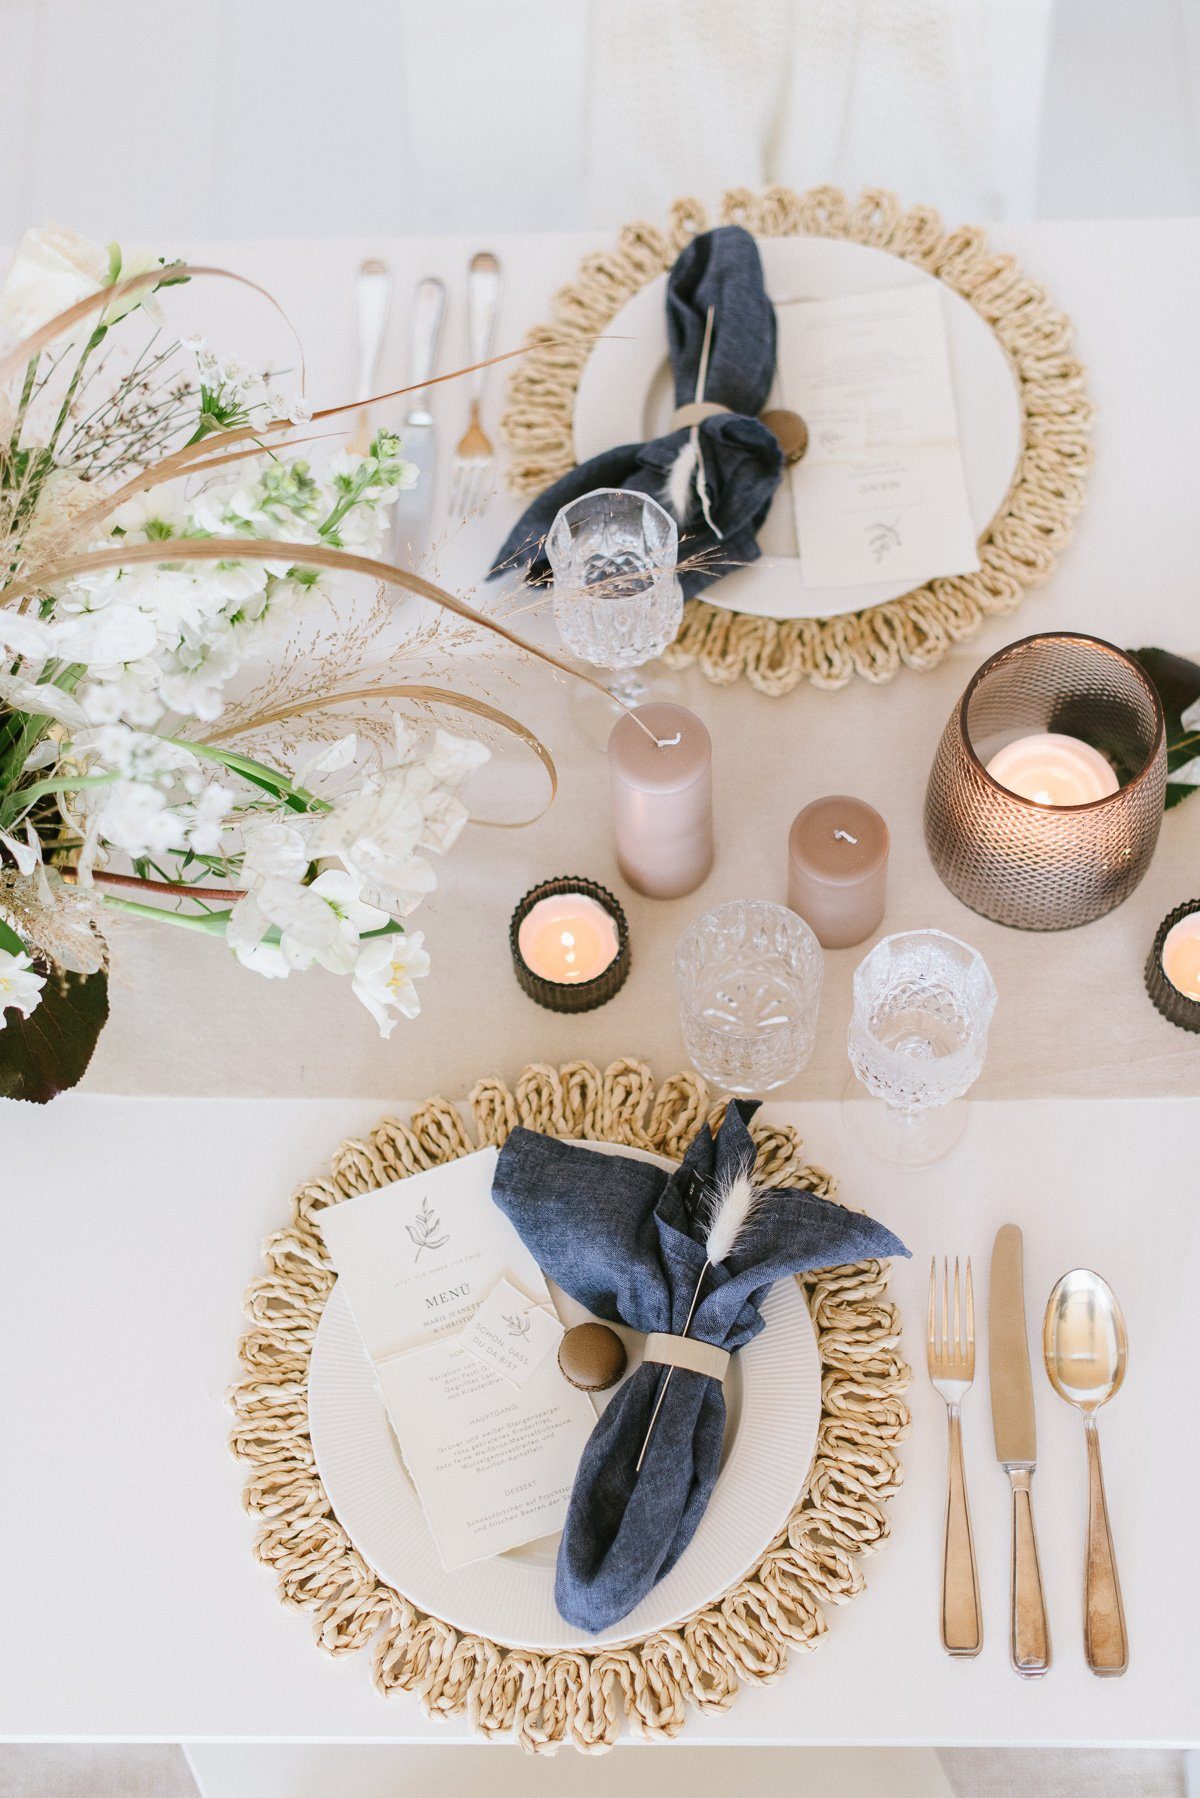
x: 1020, y: 545
x: 576, y: 1696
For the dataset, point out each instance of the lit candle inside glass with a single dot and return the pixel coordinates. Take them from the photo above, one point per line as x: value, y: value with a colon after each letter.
x: 1181, y: 956
x: 568, y: 938
x: 1053, y: 769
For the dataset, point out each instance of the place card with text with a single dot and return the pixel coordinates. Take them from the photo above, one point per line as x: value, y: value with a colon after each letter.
x: 511, y: 1335
x: 881, y: 494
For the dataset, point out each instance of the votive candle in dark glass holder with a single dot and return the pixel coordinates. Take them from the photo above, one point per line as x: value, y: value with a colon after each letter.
x: 1028, y: 859
x: 1173, y: 966
x: 570, y: 944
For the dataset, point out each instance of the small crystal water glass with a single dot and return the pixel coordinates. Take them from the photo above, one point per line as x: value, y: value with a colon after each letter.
x: 617, y: 598
x: 918, y: 1035
x: 749, y: 981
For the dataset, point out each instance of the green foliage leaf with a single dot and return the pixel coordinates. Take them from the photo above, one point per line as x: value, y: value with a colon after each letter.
x: 1178, y: 684
x: 43, y: 1054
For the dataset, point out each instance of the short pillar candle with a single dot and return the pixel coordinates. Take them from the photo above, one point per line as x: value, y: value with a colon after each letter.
x: 662, y: 799
x: 837, y: 869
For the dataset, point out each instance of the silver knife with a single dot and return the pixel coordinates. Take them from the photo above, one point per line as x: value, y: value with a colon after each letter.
x: 373, y: 293
x: 1016, y: 1446
x: 418, y: 435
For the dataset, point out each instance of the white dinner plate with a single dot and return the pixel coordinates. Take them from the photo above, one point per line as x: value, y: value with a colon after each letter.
x: 625, y: 396
x: 773, y: 1394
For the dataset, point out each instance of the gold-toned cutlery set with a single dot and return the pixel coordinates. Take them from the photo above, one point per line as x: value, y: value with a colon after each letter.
x: 1085, y: 1351
x: 474, y: 462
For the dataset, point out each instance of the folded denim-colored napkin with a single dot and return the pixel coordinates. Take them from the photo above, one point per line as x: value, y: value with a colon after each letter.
x: 626, y: 1239
x: 742, y: 462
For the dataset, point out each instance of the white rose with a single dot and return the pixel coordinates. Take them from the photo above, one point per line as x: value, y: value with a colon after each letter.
x: 52, y: 269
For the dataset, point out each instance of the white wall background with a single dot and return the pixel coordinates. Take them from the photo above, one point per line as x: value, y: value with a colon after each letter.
x: 167, y: 120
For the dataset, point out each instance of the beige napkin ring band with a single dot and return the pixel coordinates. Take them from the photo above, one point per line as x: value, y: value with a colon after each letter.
x: 694, y: 413
x: 687, y: 1352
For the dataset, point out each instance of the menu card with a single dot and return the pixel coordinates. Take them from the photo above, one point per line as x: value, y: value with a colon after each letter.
x: 880, y: 494
x: 491, y: 1441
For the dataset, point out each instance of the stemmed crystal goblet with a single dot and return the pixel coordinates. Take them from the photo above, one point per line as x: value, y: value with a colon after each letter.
x: 617, y: 598
x: 918, y: 1035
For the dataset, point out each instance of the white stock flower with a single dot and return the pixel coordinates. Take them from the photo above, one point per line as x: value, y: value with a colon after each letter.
x: 195, y: 673
x: 384, y: 975
x: 134, y: 817
x: 51, y: 270
x: 20, y: 987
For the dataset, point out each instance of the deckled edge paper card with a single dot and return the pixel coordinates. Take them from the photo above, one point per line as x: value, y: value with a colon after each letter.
x: 881, y: 494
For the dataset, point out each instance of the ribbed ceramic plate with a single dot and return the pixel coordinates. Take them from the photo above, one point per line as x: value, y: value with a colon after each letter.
x: 773, y: 1394
x: 625, y: 396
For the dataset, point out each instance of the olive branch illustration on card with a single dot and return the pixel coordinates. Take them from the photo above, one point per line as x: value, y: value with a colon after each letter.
x: 424, y: 1230
x: 515, y: 1323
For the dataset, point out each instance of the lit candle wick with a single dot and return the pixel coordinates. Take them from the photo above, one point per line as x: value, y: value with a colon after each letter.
x: 843, y: 836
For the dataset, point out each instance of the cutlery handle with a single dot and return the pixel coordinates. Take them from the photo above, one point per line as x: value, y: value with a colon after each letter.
x: 1105, y: 1640
x: 483, y: 307
x: 429, y: 308
x: 373, y: 294
x: 962, y: 1625
x: 1030, y: 1630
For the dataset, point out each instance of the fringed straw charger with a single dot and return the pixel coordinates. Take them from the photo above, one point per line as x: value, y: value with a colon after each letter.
x: 569, y: 1695
x: 1020, y: 546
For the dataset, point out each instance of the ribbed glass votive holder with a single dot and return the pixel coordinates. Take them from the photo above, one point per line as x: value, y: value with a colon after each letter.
x: 1023, y: 862
x: 1176, y: 1006
x: 567, y: 993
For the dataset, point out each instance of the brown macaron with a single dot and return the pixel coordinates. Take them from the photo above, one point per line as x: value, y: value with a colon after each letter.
x: 592, y: 1357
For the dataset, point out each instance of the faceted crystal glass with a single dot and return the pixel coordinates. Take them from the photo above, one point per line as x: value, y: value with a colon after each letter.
x: 918, y: 1035
x: 617, y: 599
x: 749, y: 981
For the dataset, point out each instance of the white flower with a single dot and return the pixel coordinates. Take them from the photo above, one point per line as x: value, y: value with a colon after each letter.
x: 113, y: 634
x: 204, y: 820
x: 384, y: 975
x: 43, y: 701
x: 135, y: 817
x: 26, y: 635
x: 273, y: 849
x: 318, y: 923
x: 195, y: 673
x: 20, y: 987
x: 52, y: 269
x: 131, y: 698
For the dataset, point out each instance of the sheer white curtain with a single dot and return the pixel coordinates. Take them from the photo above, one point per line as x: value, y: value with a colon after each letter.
x: 939, y: 99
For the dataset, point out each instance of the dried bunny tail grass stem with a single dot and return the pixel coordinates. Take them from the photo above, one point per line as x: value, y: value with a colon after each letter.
x: 745, y: 1636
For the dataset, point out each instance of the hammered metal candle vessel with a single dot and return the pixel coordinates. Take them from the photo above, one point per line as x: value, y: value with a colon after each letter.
x: 1043, y: 867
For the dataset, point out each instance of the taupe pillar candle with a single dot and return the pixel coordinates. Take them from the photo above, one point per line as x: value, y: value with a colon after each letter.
x: 662, y: 800
x: 837, y: 869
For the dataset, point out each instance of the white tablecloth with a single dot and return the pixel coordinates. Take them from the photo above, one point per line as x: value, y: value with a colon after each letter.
x: 1073, y: 1017
x: 133, y: 1605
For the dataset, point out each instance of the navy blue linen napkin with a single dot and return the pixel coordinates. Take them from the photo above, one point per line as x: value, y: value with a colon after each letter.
x: 743, y: 463
x: 626, y: 1239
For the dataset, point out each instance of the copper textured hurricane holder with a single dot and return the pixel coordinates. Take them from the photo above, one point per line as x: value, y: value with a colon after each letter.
x: 1041, y: 867
x: 1175, y: 1006
x: 571, y: 996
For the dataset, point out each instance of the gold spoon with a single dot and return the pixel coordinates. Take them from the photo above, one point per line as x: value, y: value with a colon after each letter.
x: 1086, y: 1349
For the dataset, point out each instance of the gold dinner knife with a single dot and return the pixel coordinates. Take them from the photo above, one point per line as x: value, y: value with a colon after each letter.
x: 1016, y: 1446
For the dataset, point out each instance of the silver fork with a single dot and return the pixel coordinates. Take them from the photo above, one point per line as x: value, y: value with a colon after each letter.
x: 474, y: 458
x: 951, y: 1360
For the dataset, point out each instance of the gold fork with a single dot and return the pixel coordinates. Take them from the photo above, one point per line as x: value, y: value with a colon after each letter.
x: 951, y: 1359
x: 474, y: 458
